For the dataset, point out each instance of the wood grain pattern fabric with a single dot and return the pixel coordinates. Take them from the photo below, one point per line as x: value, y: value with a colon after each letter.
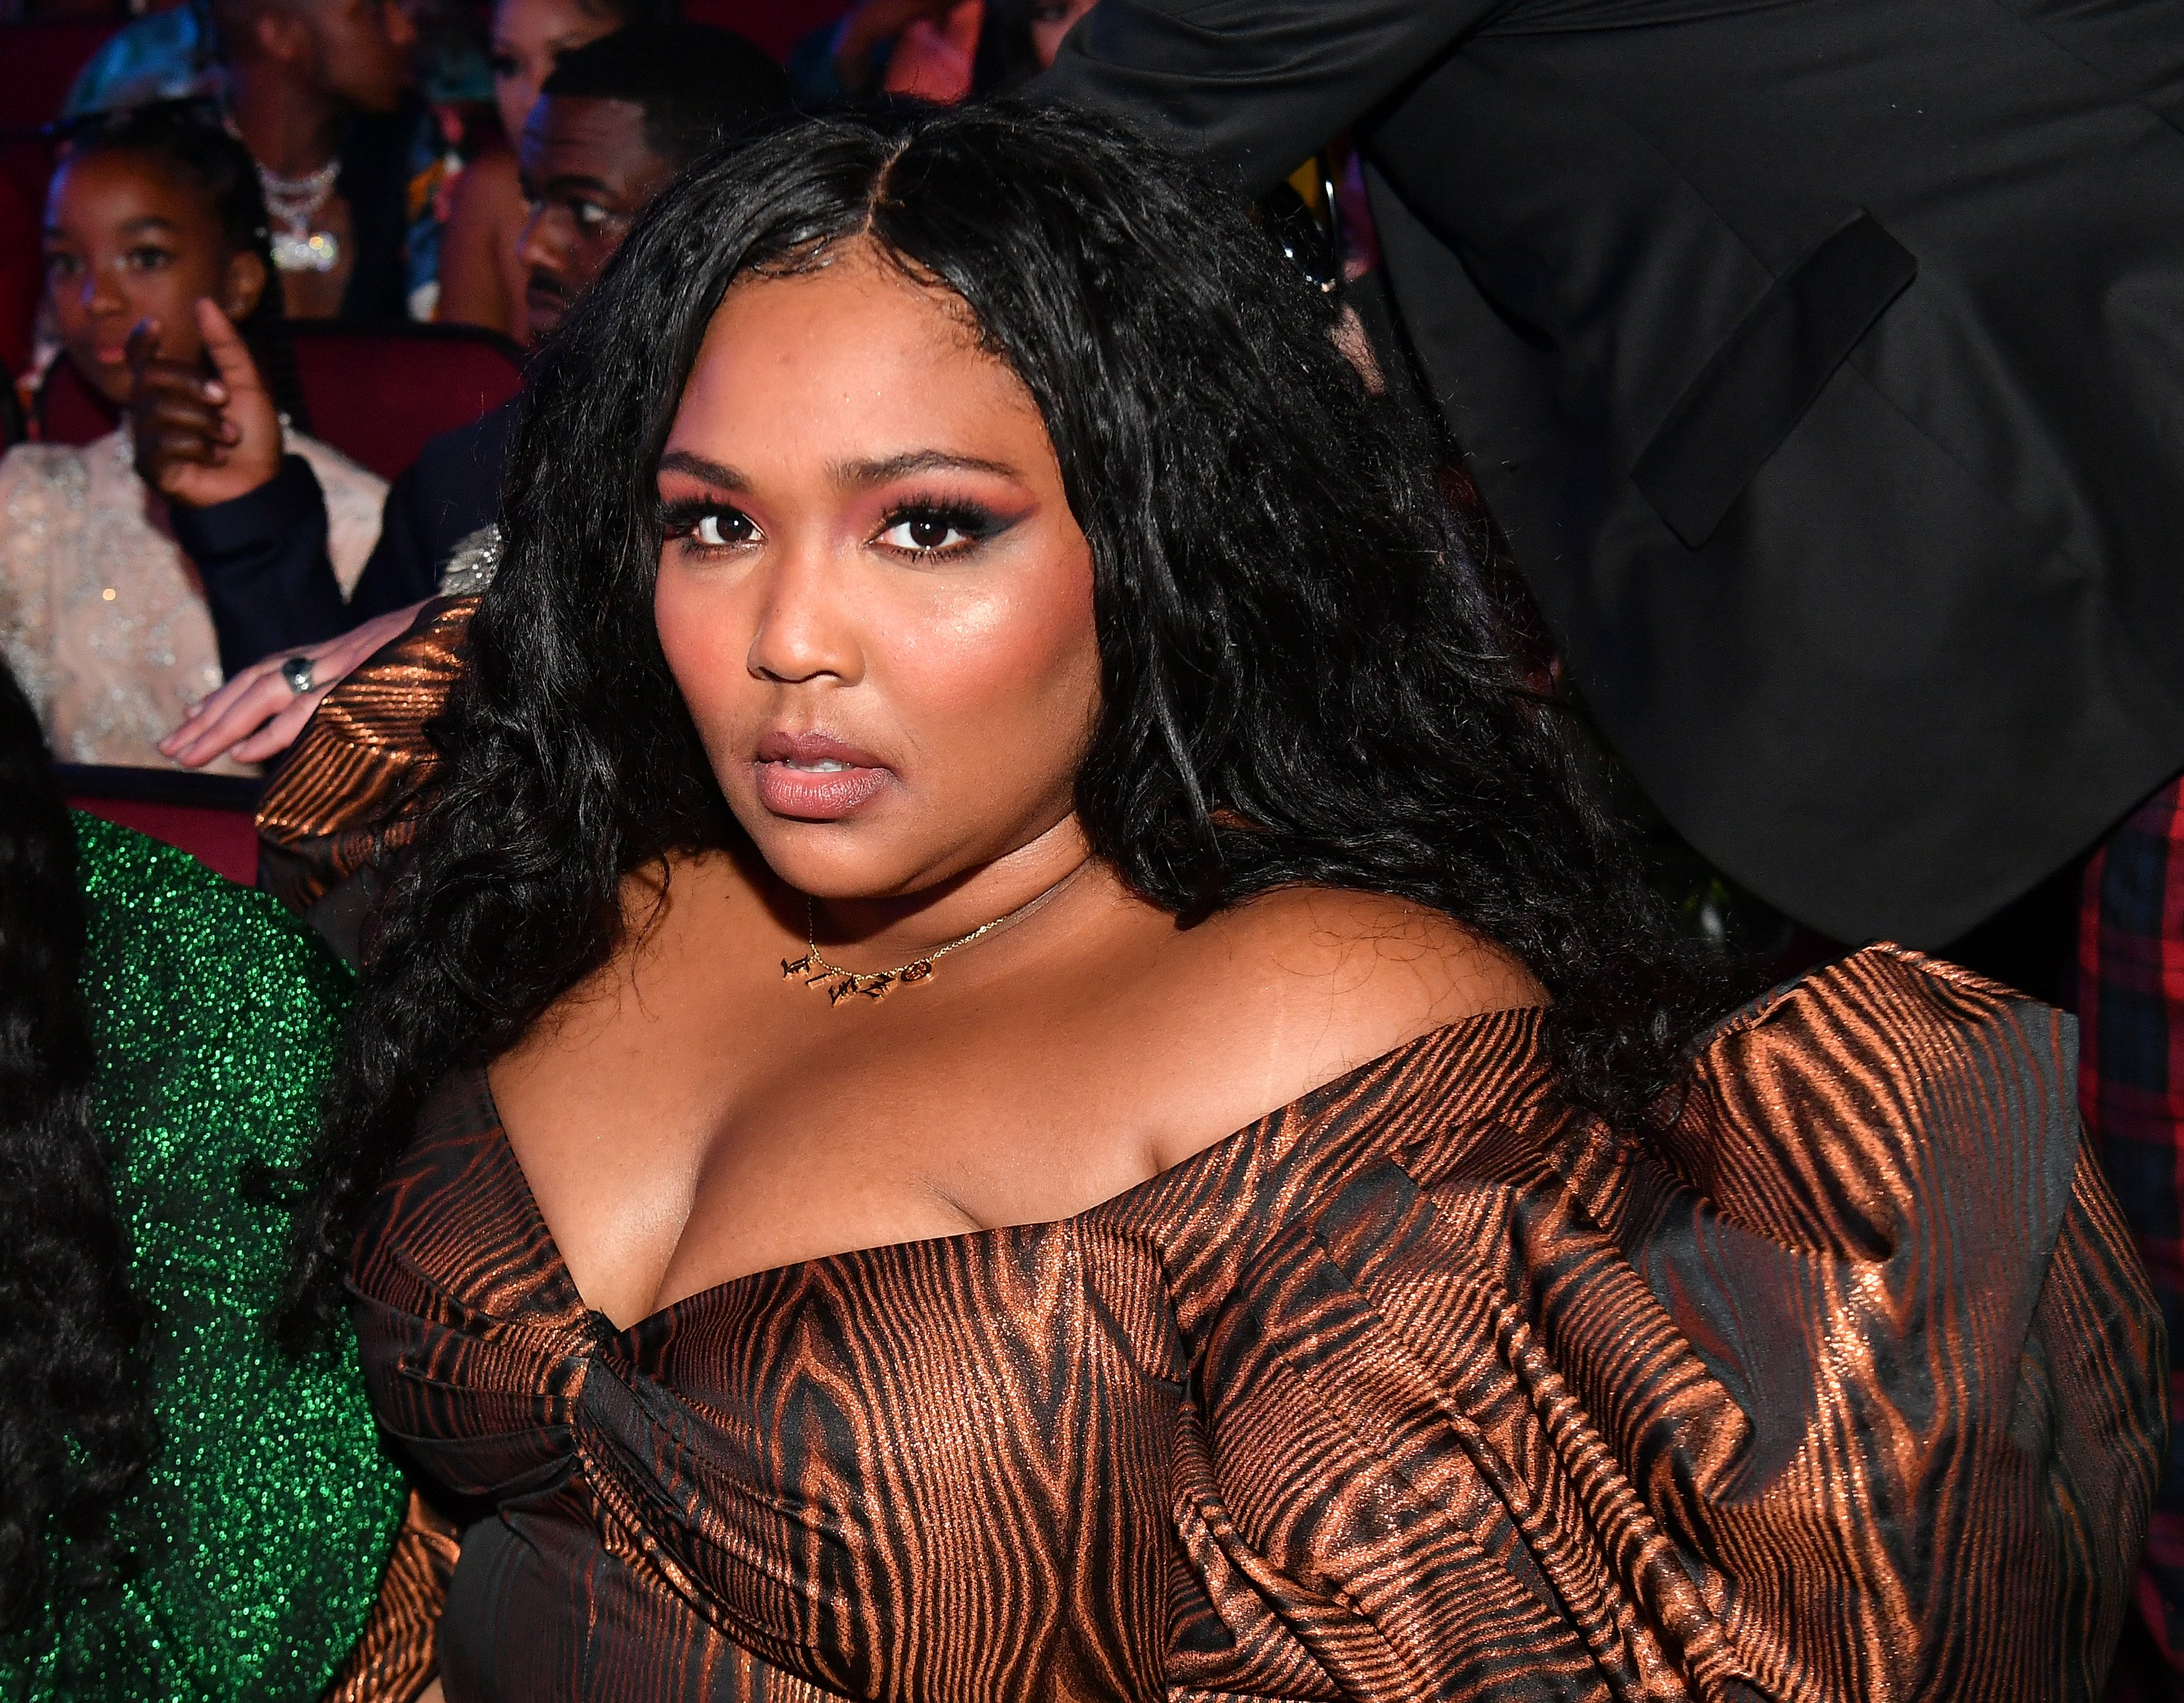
x: 1844, y: 1385
x: 339, y: 799
x: 393, y: 1661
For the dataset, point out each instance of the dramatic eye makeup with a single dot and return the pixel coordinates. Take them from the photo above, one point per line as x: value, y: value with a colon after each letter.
x: 706, y: 523
x: 921, y: 528
x: 938, y: 527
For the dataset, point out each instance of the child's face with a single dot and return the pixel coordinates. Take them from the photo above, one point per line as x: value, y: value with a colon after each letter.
x: 128, y: 239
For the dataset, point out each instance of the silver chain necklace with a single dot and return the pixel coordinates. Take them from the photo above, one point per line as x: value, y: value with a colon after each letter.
x: 292, y: 203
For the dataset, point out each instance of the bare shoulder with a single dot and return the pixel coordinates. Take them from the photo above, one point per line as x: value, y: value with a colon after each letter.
x: 488, y: 185
x: 1367, y: 971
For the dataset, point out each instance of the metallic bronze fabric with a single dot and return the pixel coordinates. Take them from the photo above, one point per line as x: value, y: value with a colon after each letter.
x: 1843, y: 1384
x: 339, y: 798
x: 393, y: 1661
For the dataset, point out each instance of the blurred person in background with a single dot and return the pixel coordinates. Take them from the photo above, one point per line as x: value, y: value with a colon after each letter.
x: 319, y: 91
x: 617, y: 119
x: 154, y: 232
x: 175, y: 52
x: 187, y: 1515
x: 938, y: 50
x: 482, y: 277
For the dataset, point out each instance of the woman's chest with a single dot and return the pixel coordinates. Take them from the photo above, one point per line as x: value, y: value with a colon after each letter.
x: 869, y: 1470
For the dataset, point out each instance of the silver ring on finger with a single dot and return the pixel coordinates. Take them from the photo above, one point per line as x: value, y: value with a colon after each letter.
x: 297, y: 671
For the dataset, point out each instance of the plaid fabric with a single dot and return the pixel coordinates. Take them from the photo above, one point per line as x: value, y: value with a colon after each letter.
x: 2131, y: 1087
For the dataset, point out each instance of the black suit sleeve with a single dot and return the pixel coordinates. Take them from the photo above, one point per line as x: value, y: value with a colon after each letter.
x: 268, y: 581
x: 1258, y: 84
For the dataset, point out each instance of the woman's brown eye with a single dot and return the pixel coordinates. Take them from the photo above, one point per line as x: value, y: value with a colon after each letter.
x: 717, y: 531
x: 924, y: 533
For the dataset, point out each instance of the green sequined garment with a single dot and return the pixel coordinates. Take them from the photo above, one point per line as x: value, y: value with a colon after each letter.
x: 272, y: 1507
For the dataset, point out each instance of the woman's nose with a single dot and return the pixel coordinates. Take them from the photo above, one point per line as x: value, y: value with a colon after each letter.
x: 802, y: 634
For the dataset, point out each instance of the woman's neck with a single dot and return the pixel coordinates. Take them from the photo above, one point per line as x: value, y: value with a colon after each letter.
x: 290, y: 128
x: 994, y: 892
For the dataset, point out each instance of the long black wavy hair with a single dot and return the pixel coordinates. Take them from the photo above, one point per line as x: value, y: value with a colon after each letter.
x: 187, y: 139
x: 1302, y: 678
x: 75, y: 1415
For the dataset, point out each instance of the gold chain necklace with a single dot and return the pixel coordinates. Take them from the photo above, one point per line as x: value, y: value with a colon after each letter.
x: 838, y: 983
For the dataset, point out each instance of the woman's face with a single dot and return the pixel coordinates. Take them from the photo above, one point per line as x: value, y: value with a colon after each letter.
x: 528, y: 37
x: 872, y: 591
x: 127, y: 239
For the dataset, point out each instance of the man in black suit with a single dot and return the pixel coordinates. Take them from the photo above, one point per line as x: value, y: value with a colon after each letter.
x: 1823, y: 362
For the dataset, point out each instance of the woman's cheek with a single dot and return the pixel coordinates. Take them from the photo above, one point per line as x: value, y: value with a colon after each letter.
x: 682, y: 631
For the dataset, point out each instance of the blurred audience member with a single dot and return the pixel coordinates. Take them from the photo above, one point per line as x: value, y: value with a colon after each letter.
x: 155, y: 241
x: 316, y: 90
x: 481, y: 277
x: 617, y: 119
x: 851, y: 57
x: 167, y: 55
x: 938, y: 51
x: 174, y: 53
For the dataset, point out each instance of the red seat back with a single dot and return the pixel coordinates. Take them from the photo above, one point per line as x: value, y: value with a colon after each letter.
x: 70, y: 411
x: 776, y: 26
x: 374, y: 396
x: 378, y: 396
x: 213, y: 817
x: 39, y: 62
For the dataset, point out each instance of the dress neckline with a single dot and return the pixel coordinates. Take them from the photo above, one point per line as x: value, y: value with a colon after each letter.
x: 1467, y: 1029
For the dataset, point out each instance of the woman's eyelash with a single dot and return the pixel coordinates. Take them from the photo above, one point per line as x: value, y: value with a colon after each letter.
x: 976, y: 524
x: 681, y: 520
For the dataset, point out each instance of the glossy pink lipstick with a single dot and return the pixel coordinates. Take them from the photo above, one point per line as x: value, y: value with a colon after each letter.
x: 811, y: 778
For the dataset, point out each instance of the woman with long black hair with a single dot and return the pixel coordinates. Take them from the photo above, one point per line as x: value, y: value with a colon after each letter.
x: 187, y: 1515
x: 1003, y: 1057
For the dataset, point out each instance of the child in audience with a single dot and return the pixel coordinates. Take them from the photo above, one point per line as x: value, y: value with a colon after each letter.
x: 153, y: 227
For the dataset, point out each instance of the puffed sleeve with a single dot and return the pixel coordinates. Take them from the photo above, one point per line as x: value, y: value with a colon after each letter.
x: 345, y: 794
x: 394, y: 1658
x: 1842, y: 1384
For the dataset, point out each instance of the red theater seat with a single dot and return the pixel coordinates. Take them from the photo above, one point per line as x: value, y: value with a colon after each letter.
x: 68, y: 410
x: 377, y: 396
x: 39, y: 62
x: 210, y: 816
x: 776, y: 26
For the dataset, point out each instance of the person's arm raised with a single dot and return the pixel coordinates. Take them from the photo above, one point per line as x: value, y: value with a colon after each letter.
x: 250, y: 517
x: 201, y: 441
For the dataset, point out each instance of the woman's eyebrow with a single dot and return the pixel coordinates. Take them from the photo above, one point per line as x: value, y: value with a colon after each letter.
x: 713, y: 473
x: 862, y: 473
x: 149, y: 221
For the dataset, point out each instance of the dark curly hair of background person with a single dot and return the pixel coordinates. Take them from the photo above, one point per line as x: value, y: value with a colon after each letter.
x: 75, y: 1412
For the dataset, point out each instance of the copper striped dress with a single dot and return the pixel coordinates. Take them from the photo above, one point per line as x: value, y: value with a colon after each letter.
x: 1841, y: 1384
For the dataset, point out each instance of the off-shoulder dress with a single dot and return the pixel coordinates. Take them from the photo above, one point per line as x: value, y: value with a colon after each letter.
x: 1840, y: 1381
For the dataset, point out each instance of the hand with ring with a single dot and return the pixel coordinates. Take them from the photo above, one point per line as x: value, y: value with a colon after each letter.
x: 259, y: 713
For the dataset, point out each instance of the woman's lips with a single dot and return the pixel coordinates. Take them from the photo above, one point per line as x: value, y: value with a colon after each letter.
x: 812, y: 778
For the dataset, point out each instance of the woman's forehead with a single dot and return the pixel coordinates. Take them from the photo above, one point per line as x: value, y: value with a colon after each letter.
x: 850, y: 362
